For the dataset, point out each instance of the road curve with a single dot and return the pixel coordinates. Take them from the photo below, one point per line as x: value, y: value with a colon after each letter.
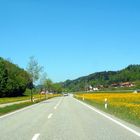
x: 63, y: 118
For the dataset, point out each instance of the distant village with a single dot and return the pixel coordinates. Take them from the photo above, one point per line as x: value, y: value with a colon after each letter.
x: 114, y: 85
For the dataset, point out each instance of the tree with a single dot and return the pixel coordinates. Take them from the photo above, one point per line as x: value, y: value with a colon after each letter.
x: 43, y: 78
x: 34, y: 70
x: 48, y: 84
x: 52, y: 87
x: 3, y: 78
x: 57, y: 88
x: 13, y: 79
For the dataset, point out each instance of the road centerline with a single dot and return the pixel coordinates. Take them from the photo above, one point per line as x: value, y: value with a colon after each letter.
x: 50, y: 115
x: 58, y: 104
x: 35, y: 137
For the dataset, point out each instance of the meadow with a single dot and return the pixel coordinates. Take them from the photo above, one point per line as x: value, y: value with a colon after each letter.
x: 123, y: 105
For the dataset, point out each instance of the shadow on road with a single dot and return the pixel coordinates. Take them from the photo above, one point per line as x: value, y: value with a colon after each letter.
x: 44, y: 102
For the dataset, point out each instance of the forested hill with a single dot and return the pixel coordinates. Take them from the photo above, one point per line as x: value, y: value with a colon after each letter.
x: 105, y: 78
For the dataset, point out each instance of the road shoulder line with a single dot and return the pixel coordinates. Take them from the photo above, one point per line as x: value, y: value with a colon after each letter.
x: 108, y: 117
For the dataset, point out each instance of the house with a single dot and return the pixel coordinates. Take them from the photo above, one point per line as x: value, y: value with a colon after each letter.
x: 127, y: 84
x: 123, y: 84
x: 95, y: 89
x: 115, y: 85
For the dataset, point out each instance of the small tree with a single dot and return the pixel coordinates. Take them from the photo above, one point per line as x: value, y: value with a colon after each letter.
x: 52, y: 87
x: 57, y: 88
x: 34, y: 70
x: 48, y: 84
x: 43, y: 78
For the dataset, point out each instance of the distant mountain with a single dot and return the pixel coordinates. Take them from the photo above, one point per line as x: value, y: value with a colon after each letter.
x: 104, y: 79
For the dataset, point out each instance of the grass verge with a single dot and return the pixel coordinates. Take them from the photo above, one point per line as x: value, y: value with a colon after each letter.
x: 11, y: 108
x: 13, y: 99
x: 26, y: 97
x: 8, y: 109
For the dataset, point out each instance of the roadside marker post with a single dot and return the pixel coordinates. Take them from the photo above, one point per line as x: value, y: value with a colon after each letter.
x: 106, y: 104
x: 83, y: 98
x: 33, y: 99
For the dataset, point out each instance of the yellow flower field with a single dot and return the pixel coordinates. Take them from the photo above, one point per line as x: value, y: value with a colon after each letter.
x: 118, y: 103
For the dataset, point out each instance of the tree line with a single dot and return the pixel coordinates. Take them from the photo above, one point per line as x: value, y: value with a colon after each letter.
x: 105, y: 78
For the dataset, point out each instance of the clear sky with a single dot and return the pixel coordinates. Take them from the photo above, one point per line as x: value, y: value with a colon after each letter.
x: 71, y: 38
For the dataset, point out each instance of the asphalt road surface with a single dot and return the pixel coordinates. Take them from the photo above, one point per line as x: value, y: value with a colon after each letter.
x: 64, y: 118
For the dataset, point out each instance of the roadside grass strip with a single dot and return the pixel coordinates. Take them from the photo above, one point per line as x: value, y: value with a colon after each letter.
x: 18, y: 107
x: 27, y: 97
x: 8, y: 109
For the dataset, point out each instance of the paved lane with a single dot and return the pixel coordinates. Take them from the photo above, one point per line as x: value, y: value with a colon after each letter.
x: 62, y: 118
x: 23, y: 125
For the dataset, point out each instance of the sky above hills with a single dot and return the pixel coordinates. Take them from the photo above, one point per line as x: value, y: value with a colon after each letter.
x: 71, y: 38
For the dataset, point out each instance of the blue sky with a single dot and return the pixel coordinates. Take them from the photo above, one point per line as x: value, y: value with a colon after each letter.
x: 71, y: 38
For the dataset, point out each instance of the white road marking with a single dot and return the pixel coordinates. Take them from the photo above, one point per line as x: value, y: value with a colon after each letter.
x: 58, y: 103
x: 113, y: 120
x: 50, y: 115
x: 35, y: 137
x: 55, y: 107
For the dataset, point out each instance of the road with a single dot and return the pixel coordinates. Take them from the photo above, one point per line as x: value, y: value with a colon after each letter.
x: 64, y: 118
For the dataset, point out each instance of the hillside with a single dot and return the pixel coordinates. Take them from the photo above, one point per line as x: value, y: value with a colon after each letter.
x: 106, y: 79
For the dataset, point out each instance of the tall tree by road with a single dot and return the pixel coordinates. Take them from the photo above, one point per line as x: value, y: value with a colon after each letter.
x: 34, y: 69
